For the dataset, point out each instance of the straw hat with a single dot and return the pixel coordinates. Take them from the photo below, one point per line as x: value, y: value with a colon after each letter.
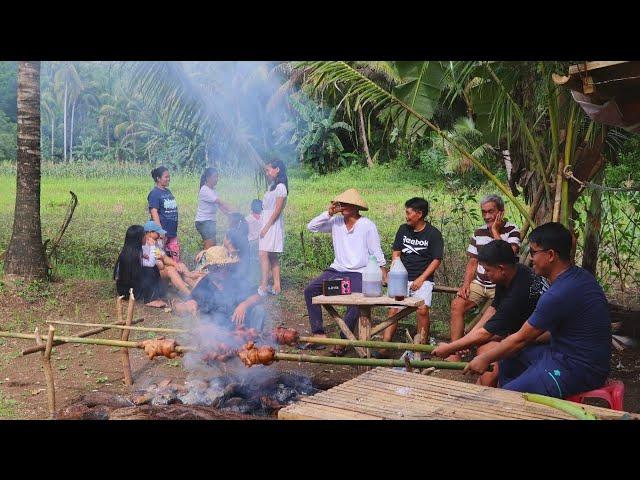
x: 217, y: 255
x: 352, y: 197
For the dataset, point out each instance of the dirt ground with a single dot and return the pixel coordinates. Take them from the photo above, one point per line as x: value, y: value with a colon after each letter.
x: 80, y: 369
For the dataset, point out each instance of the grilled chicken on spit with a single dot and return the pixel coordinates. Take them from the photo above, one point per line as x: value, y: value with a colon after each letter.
x: 221, y: 353
x: 252, y: 355
x: 286, y: 336
x: 160, y: 347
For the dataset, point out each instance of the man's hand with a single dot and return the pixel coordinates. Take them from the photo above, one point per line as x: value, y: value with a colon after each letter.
x: 264, y: 231
x: 463, y: 291
x: 498, y: 223
x: 478, y: 365
x: 334, y: 208
x: 442, y: 350
x: 416, y: 284
x: 239, y: 314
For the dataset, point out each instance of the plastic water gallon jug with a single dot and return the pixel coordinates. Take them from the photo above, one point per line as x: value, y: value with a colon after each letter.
x: 372, y: 279
x: 397, y: 279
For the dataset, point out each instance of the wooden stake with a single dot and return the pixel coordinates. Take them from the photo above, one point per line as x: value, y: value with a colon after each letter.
x: 124, y: 352
x: 48, y: 371
x: 119, y: 309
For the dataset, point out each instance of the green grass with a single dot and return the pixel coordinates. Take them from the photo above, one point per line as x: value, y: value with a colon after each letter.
x: 112, y: 197
x: 7, y: 407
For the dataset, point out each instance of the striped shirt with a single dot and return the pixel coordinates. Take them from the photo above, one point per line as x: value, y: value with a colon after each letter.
x: 509, y: 233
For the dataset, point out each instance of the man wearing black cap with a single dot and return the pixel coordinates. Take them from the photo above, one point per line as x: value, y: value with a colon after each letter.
x: 518, y: 289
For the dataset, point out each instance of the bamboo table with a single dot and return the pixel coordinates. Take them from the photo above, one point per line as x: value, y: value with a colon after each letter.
x: 391, y: 394
x: 365, y: 305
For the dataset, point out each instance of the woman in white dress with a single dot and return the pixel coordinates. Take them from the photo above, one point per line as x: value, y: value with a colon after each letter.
x: 271, y: 241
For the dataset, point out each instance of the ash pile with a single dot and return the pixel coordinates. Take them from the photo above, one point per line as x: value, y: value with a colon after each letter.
x: 257, y: 395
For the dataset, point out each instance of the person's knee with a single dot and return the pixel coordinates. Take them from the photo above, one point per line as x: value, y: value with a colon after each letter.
x: 423, y: 311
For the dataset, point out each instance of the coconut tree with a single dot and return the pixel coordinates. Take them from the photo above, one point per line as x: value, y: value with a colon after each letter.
x: 25, y: 257
x: 358, y: 91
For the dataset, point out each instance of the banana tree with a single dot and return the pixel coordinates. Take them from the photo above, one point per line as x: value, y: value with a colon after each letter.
x: 358, y: 91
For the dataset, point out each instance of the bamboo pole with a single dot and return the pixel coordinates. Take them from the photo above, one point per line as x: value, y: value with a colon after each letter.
x: 369, y: 362
x: 416, y: 347
x: 48, y: 371
x: 93, y: 341
x: 566, y: 406
x: 558, y: 197
x: 121, y: 327
x: 124, y: 352
x: 86, y: 333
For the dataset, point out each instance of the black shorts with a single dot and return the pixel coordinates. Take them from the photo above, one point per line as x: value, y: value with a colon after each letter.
x: 207, y: 229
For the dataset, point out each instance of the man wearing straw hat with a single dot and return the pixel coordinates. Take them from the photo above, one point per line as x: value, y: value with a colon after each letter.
x: 222, y: 296
x: 355, y: 239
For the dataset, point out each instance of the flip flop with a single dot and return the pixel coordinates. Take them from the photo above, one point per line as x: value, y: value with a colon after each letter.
x: 311, y: 346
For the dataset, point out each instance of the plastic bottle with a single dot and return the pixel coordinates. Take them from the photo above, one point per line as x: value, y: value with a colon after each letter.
x: 397, y: 279
x: 372, y: 279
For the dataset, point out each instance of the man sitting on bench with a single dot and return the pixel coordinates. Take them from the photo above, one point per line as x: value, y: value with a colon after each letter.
x: 518, y: 289
x: 574, y: 311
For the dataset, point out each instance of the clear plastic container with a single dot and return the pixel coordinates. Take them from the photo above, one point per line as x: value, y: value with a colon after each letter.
x: 397, y: 280
x: 372, y: 279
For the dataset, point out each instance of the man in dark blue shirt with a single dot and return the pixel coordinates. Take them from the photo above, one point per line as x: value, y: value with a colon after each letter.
x: 574, y: 311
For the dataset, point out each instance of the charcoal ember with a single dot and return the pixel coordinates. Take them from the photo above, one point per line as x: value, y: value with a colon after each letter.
x: 299, y: 382
x: 241, y: 405
x: 195, y: 397
x: 165, y: 396
x: 285, y: 394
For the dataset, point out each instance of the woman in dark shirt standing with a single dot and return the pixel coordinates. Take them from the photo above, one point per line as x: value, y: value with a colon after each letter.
x: 164, y: 210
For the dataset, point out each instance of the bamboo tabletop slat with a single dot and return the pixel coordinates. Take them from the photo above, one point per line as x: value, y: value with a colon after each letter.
x: 390, y: 394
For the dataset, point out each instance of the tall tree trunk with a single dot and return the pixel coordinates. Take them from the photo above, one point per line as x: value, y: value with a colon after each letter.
x: 363, y: 138
x: 592, y: 228
x: 25, y: 256
x: 73, y: 112
x: 64, y: 122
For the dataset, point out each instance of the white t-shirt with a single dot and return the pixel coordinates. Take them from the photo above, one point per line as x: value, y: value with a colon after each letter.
x: 207, y: 204
x: 153, y: 253
x: 352, y: 248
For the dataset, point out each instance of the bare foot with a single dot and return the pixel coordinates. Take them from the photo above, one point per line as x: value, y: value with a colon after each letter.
x: 156, y: 304
x: 276, y: 289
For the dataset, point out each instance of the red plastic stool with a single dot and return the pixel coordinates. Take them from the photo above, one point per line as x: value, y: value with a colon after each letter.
x: 612, y: 392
